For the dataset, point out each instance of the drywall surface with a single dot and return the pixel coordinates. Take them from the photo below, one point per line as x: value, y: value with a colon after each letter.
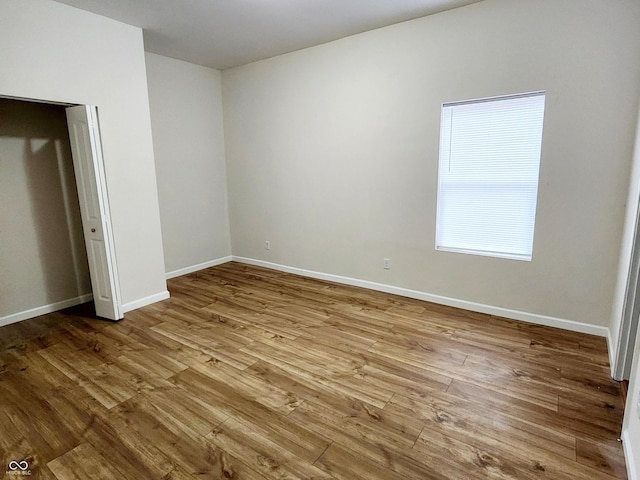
x: 332, y: 151
x: 42, y: 254
x: 188, y: 140
x: 58, y: 53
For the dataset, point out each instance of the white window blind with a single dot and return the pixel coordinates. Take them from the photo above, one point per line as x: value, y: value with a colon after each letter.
x: 488, y: 175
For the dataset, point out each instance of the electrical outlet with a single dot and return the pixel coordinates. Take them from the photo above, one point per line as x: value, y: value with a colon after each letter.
x: 267, y: 245
x: 386, y: 263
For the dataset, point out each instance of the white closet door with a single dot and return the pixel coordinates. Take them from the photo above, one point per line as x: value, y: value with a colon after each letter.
x: 86, y: 150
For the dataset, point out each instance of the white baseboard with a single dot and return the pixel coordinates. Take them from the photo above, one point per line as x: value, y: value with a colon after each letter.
x: 44, y: 309
x: 143, y: 302
x: 429, y: 297
x: 200, y: 266
x: 452, y: 302
x: 612, y: 349
x: 628, y: 456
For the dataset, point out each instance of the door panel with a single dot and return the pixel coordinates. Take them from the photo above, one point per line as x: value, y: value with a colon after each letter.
x: 94, y: 209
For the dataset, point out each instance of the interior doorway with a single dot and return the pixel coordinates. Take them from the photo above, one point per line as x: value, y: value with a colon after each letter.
x: 630, y: 312
x: 43, y: 245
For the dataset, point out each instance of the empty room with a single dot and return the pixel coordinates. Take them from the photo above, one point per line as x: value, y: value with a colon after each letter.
x: 322, y: 239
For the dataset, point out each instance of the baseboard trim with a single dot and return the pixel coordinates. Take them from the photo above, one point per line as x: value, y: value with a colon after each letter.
x: 628, y: 455
x: 429, y: 297
x: 612, y: 350
x: 199, y: 266
x: 143, y: 302
x: 44, y: 309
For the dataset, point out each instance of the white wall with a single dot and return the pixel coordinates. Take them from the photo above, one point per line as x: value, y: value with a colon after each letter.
x: 332, y: 151
x: 42, y: 255
x: 54, y: 52
x: 188, y: 140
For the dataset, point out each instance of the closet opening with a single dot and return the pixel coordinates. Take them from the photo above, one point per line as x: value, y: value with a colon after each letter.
x: 54, y: 198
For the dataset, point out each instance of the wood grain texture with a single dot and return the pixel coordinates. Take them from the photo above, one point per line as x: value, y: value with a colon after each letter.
x: 249, y: 373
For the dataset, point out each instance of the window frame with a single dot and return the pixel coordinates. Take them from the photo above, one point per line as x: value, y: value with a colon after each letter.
x: 441, y: 149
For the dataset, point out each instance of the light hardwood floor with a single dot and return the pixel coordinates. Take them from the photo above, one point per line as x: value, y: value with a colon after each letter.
x: 248, y: 373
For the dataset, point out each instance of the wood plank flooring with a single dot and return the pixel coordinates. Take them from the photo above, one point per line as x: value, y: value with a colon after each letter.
x: 248, y: 373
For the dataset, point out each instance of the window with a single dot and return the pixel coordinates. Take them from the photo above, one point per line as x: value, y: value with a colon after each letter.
x: 488, y: 175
